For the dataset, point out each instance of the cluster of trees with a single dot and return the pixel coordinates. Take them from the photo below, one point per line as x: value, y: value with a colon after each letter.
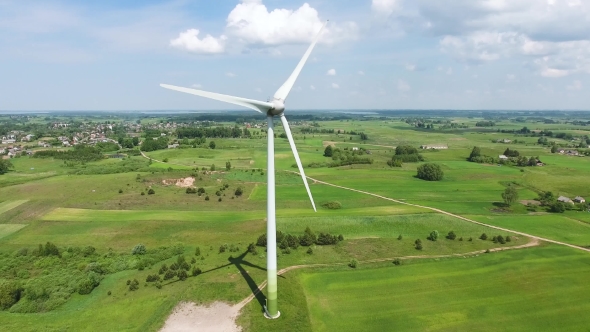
x: 514, y: 158
x: 485, y: 124
x: 308, y: 238
x: 180, y: 269
x: 5, y: 166
x: 65, y: 271
x: 150, y: 144
x: 430, y: 172
x: 343, y: 157
x: 127, y: 142
x: 405, y: 154
x: 213, y: 132
x: 80, y: 153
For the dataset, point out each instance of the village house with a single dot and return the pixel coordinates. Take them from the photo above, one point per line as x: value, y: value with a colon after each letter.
x: 173, y: 146
x: 579, y: 199
x: 564, y: 199
x: 434, y: 147
x: 10, y: 139
x: 502, y: 157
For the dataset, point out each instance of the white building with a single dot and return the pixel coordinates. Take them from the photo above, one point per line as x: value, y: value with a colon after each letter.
x: 434, y: 146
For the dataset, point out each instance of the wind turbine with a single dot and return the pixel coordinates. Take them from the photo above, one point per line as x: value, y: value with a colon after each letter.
x: 273, y: 108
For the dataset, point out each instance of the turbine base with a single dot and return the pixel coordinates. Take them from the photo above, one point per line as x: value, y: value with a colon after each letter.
x: 268, y: 316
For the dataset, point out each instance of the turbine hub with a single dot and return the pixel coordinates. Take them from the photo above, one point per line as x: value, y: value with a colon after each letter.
x: 278, y: 107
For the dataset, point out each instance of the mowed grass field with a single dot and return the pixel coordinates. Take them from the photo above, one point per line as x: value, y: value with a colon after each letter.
x: 540, y: 289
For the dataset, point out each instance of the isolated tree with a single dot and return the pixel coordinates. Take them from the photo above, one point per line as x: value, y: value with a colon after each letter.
x: 418, y: 244
x: 430, y: 172
x: 212, y: 145
x: 5, y: 166
x: 510, y: 195
x: 212, y: 167
x: 476, y: 152
x: 483, y: 237
x: 238, y: 192
x: 554, y: 148
x: 328, y: 152
x: 451, y: 235
x: 227, y: 165
x: 151, y: 191
x: 139, y: 249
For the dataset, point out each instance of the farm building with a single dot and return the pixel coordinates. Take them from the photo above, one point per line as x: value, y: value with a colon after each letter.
x: 434, y: 146
x: 579, y: 199
x: 502, y: 157
x: 564, y: 199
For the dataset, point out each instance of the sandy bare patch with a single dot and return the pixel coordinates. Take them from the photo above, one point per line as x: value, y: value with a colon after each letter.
x: 182, y: 183
x: 217, y: 317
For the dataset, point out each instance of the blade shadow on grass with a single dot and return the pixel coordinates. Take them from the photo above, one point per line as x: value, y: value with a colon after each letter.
x: 239, y: 263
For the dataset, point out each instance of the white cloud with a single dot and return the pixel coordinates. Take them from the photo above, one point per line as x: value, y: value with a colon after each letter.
x: 360, y: 72
x: 230, y: 74
x: 331, y: 72
x: 550, y: 36
x: 575, y: 86
x: 252, y: 23
x: 312, y: 87
x: 189, y: 41
x: 403, y: 86
x: 335, y: 86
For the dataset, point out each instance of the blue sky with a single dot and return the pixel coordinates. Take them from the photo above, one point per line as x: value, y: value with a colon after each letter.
x: 374, y: 54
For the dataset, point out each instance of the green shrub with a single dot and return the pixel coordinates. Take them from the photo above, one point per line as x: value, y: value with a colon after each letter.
x: 433, y: 236
x: 10, y: 294
x: 430, y: 172
x: 151, y: 191
x: 397, y: 261
x: 333, y: 205
x: 139, y: 249
x: 483, y: 237
x: 353, y: 263
x: 452, y: 236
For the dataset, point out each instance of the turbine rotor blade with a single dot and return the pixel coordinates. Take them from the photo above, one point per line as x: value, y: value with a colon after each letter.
x: 284, y: 90
x: 259, y: 106
x: 297, y: 160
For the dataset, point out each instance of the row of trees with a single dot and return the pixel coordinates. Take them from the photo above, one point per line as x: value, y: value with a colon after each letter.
x: 307, y: 239
x: 80, y: 153
x: 214, y: 132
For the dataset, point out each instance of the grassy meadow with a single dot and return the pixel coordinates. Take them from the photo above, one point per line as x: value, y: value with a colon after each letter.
x: 105, y: 205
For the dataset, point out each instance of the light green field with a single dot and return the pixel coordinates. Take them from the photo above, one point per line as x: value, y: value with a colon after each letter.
x: 564, y: 228
x: 539, y: 289
x: 8, y: 229
x: 9, y: 205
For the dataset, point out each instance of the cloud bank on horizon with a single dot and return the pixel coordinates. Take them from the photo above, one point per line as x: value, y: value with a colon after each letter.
x: 374, y: 54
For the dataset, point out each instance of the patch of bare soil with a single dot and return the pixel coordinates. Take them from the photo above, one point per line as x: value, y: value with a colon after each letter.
x: 216, y: 317
x: 183, y: 183
x: 530, y: 201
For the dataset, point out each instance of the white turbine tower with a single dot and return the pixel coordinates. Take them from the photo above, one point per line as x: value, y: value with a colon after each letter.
x: 276, y: 107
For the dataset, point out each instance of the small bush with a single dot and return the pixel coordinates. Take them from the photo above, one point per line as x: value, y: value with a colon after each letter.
x: 207, y: 198
x: 309, y: 251
x: 397, y: 262
x: 163, y: 269
x: 120, y: 191
x: 400, y: 237
x: 483, y: 237
x: 169, y: 275
x: 196, y: 271
x: 134, y: 285
x: 508, y: 239
x: 501, y: 240
x: 151, y: 191
x: 142, y: 193
x: 182, y: 275
x: 353, y: 263
x: 433, y: 236
x: 139, y: 249
x: 487, y: 251
x: 252, y: 249
x: 333, y: 205
x: 239, y: 192
x: 451, y: 235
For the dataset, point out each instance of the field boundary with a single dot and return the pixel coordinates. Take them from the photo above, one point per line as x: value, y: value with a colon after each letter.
x: 9, y: 205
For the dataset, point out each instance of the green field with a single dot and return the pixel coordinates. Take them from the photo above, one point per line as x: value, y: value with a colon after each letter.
x: 539, y: 289
x: 98, y: 212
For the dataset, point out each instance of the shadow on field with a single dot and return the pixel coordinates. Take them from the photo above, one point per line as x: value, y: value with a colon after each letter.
x: 239, y: 263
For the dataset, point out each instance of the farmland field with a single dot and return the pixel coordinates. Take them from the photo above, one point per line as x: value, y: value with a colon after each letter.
x: 67, y: 223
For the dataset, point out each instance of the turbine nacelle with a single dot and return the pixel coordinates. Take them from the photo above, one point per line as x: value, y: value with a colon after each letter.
x: 278, y: 107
